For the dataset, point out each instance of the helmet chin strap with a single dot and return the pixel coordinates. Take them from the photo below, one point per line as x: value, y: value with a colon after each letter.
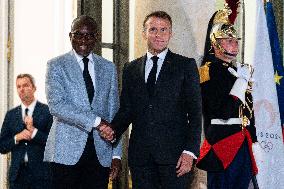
x: 229, y: 54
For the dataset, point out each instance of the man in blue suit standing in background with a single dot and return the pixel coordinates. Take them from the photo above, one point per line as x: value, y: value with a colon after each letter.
x: 24, y: 133
x: 82, y: 94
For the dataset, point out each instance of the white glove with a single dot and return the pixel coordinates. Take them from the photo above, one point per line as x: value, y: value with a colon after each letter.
x: 241, y: 84
x: 258, y: 154
x: 233, y: 72
x: 242, y: 72
x: 239, y: 89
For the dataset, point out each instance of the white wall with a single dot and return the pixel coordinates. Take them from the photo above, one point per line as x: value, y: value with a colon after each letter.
x: 3, y: 81
x: 41, y: 33
x: 190, y: 19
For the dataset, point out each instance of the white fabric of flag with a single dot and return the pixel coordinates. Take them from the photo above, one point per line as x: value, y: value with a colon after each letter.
x: 257, y: 52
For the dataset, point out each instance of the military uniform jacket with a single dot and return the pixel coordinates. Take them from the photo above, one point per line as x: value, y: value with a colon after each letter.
x: 222, y: 141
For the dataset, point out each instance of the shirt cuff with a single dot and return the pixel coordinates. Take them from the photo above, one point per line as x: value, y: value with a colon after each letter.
x: 190, y: 153
x: 15, y: 139
x: 34, y: 133
x: 116, y: 157
x: 97, y: 122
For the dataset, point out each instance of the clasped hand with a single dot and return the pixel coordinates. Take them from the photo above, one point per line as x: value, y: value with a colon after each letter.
x: 29, y: 123
x: 105, y: 131
x: 26, y: 134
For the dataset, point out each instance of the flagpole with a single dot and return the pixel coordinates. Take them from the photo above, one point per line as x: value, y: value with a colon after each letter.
x: 243, y: 33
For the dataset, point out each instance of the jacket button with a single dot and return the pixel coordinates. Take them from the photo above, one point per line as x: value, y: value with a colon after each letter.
x: 150, y: 106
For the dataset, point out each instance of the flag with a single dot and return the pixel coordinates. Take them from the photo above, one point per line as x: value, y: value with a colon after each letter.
x: 277, y: 59
x: 257, y: 52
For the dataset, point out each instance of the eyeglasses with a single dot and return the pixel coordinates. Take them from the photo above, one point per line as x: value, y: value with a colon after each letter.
x: 80, y: 36
x: 162, y: 31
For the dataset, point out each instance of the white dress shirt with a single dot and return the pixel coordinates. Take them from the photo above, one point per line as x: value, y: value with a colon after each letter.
x: 149, y: 63
x: 31, y: 108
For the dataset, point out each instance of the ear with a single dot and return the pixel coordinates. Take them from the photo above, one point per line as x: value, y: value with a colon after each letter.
x: 70, y: 35
x: 98, y: 36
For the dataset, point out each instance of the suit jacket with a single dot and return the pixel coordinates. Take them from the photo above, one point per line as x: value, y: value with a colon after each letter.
x: 168, y: 122
x: 13, y: 124
x: 74, y: 117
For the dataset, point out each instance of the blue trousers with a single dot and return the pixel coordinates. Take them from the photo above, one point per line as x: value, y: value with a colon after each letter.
x: 236, y: 176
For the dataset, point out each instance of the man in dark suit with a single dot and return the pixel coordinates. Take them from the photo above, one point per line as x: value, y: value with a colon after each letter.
x: 161, y: 98
x: 24, y: 133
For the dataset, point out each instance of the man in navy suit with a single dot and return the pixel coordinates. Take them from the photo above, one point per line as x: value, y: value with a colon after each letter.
x: 161, y: 98
x: 24, y: 133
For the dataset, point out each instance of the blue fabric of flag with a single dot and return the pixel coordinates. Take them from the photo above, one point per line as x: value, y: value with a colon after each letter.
x: 277, y: 58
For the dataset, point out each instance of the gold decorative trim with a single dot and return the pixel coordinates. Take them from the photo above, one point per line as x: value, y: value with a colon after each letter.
x: 204, y: 72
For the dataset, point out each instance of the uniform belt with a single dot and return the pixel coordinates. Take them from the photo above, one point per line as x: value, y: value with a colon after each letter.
x: 230, y: 121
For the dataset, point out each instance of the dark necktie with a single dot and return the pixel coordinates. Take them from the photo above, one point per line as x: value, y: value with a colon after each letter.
x: 26, y: 111
x: 26, y: 114
x: 152, y: 76
x: 88, y: 80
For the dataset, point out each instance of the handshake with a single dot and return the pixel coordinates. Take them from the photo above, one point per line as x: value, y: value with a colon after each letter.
x: 105, y: 130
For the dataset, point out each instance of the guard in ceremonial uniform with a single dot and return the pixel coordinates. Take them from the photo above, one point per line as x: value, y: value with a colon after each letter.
x: 226, y: 153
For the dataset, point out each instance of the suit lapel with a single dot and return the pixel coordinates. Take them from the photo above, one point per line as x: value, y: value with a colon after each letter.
x: 141, y: 66
x: 141, y: 76
x: 165, y: 71
x: 76, y: 75
x: 74, y: 68
x: 19, y: 119
x: 99, y: 74
x: 36, y: 114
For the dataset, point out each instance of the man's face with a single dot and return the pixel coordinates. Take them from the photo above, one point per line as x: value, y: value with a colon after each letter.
x: 25, y: 90
x: 83, y: 38
x: 157, y: 33
x: 231, y: 47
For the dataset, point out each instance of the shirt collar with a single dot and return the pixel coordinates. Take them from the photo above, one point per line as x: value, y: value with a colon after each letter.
x: 31, y: 107
x: 79, y: 57
x: 161, y: 55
